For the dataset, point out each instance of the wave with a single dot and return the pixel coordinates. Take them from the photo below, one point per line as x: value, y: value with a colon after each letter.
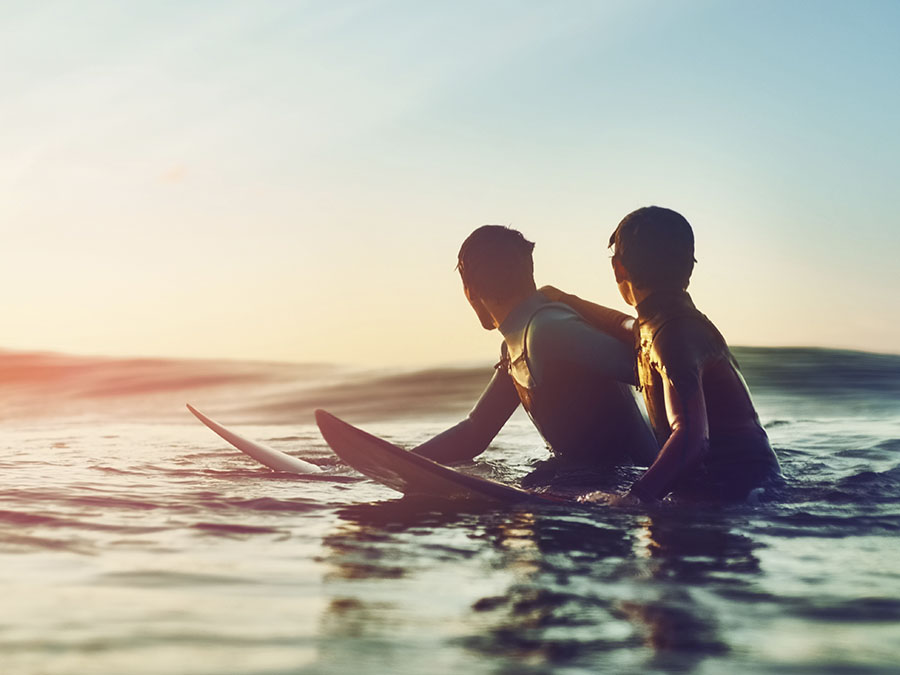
x: 824, y: 382
x: 820, y: 372
x: 34, y: 385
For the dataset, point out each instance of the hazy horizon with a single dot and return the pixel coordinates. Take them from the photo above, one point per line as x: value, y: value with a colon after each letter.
x: 476, y: 362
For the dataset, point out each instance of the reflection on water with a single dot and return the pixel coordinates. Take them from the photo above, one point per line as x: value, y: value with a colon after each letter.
x: 554, y: 588
x: 685, y: 554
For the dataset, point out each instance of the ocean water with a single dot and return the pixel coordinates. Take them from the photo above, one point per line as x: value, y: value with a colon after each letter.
x: 133, y: 540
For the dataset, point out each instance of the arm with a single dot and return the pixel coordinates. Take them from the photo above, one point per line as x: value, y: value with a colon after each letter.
x: 568, y: 341
x: 471, y: 437
x: 610, y: 321
x: 685, y: 446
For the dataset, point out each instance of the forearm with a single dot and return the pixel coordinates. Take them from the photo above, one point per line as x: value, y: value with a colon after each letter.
x: 569, y: 343
x: 611, y: 321
x: 459, y: 443
x: 680, y: 455
x: 471, y: 437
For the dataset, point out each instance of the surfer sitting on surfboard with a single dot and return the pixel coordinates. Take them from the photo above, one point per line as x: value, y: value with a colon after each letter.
x: 574, y: 380
x: 713, y: 445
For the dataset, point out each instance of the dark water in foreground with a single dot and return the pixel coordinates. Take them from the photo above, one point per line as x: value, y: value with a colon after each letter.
x: 133, y: 540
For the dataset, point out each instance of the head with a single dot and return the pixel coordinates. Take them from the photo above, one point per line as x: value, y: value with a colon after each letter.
x: 653, y: 249
x: 496, y: 268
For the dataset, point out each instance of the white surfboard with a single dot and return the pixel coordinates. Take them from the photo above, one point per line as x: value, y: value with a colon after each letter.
x: 274, y: 459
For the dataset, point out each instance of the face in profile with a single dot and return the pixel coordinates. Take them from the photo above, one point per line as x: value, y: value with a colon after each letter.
x: 622, y: 280
x: 484, y: 316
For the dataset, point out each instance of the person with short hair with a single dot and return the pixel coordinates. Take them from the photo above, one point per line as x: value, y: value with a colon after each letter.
x: 574, y: 380
x: 713, y: 446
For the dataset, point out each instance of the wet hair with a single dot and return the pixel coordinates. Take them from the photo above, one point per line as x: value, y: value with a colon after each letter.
x: 656, y: 247
x: 495, y: 263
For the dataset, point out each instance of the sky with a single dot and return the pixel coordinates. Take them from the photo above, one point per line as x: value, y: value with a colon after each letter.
x: 291, y: 181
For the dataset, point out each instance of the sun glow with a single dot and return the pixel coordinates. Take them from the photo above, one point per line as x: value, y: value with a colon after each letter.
x: 294, y: 183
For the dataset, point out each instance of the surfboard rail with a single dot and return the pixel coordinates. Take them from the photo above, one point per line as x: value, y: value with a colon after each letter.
x: 407, y: 472
x: 274, y: 459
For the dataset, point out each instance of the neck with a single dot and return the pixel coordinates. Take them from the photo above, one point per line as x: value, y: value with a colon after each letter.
x: 500, y: 310
x: 639, y: 295
x: 632, y: 294
x: 664, y: 300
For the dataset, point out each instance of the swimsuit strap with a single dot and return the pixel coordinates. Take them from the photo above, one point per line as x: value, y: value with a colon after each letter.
x: 503, y: 363
x: 524, y: 355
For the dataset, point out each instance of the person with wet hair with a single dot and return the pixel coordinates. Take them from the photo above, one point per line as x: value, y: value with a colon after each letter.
x: 713, y: 446
x: 573, y: 379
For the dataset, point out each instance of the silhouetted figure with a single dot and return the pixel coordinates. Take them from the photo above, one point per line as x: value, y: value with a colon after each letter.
x: 713, y: 445
x: 573, y: 380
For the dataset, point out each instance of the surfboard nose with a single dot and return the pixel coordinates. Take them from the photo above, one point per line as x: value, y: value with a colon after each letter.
x: 323, y: 416
x: 274, y: 459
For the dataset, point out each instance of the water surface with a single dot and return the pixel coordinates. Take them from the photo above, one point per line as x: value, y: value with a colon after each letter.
x: 134, y: 540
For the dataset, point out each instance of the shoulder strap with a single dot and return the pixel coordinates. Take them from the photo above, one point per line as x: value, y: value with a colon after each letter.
x: 524, y: 355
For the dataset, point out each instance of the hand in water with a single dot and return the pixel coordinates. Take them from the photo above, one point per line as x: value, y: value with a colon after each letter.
x: 610, y: 499
x: 627, y: 499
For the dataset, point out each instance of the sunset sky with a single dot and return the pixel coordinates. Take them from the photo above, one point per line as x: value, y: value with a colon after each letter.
x: 292, y: 180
